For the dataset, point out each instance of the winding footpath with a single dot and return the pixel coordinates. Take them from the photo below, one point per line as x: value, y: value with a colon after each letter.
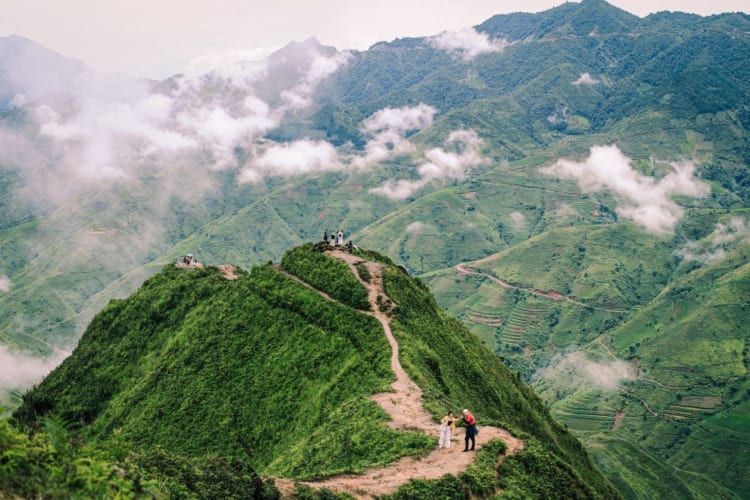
x: 404, y: 407
x: 463, y: 269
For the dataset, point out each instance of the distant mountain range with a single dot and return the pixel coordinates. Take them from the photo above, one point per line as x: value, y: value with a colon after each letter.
x: 588, y: 167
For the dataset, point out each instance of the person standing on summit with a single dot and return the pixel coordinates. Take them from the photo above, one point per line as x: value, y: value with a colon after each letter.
x: 340, y: 236
x: 471, y: 430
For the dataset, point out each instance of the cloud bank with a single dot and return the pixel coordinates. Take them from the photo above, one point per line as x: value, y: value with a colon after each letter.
x: 519, y: 220
x: 387, y: 130
x: 467, y: 43
x: 576, y: 369
x: 107, y: 138
x: 440, y: 165
x: 713, y: 248
x: 644, y: 200
x: 295, y: 158
x: 21, y: 371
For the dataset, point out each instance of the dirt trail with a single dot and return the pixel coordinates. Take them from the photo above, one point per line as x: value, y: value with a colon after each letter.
x: 404, y: 406
x: 551, y: 294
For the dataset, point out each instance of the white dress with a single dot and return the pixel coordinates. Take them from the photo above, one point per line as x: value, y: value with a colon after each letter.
x: 445, y: 433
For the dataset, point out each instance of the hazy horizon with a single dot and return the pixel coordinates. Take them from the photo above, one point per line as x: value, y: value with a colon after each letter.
x: 157, y: 40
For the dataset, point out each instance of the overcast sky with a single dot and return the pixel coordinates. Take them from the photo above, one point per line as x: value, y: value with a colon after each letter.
x: 157, y: 38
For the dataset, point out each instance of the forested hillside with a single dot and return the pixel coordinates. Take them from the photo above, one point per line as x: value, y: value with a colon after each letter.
x: 586, y: 170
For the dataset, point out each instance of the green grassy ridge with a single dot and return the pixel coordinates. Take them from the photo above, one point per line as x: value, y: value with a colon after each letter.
x: 326, y: 274
x: 657, y: 110
x: 454, y: 369
x: 264, y: 369
x: 263, y: 365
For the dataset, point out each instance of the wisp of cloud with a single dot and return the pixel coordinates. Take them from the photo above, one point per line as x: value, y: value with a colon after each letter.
x: 467, y: 43
x: 644, y: 200
x: 576, y: 369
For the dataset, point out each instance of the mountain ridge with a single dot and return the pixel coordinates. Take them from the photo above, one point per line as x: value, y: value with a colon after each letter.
x: 82, y: 404
x: 672, y: 90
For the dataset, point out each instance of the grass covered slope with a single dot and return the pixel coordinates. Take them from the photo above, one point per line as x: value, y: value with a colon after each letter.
x: 454, y: 369
x: 645, y: 358
x: 261, y: 366
x: 264, y: 369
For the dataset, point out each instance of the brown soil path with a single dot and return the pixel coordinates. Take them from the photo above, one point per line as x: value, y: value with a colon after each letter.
x: 404, y: 406
x: 551, y: 294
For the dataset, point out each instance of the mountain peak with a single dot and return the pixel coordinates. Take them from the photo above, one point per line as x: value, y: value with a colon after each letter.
x: 581, y: 19
x: 197, y: 364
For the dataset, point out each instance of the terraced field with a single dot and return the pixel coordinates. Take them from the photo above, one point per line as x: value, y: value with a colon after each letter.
x: 588, y: 410
x: 525, y: 319
x: 692, y: 408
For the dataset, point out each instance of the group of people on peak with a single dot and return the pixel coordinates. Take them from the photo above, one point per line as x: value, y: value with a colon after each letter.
x: 448, y: 425
x: 337, y: 238
x: 188, y: 261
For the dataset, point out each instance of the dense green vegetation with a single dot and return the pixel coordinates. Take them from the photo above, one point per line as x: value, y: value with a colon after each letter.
x: 263, y: 370
x: 668, y: 86
x: 332, y: 277
x: 260, y: 367
x: 54, y: 463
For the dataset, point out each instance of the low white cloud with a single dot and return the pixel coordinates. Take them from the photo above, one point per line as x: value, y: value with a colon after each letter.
x: 399, y: 189
x: 388, y: 128
x: 294, y: 158
x: 440, y: 165
x: 518, y: 219
x: 714, y: 246
x: 322, y: 66
x: 5, y: 284
x: 576, y: 369
x: 585, y: 79
x: 642, y: 199
x: 21, y: 371
x: 415, y: 227
x: 468, y: 43
x: 560, y: 115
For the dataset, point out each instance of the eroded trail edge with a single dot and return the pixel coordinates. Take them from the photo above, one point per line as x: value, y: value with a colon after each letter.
x: 404, y: 407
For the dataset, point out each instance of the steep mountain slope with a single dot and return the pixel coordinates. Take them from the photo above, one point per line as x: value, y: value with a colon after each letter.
x: 667, y: 88
x: 641, y: 356
x: 200, y: 364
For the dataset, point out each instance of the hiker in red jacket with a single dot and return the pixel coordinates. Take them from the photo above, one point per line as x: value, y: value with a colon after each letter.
x: 471, y: 429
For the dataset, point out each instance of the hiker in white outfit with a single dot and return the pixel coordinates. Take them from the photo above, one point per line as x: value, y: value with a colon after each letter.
x: 447, y: 424
x: 340, y: 234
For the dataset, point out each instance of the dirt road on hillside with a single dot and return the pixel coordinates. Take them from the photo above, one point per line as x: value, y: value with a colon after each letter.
x: 404, y: 406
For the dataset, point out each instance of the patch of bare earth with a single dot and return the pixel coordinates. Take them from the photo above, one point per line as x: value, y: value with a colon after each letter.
x: 228, y: 271
x: 618, y: 420
x: 192, y: 265
x: 404, y: 407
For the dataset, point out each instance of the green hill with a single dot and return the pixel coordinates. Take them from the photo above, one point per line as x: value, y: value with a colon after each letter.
x: 676, y: 324
x: 667, y: 87
x: 263, y: 368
